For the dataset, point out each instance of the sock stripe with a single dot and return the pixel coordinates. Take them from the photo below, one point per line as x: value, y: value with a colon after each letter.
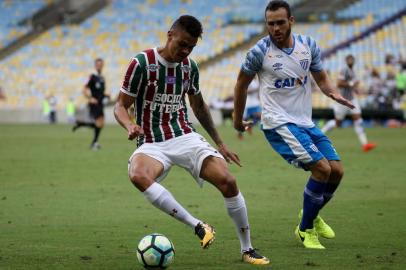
x: 315, y: 196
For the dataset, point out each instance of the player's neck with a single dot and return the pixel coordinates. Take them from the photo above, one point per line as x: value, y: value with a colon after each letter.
x: 163, y: 52
x: 286, y: 44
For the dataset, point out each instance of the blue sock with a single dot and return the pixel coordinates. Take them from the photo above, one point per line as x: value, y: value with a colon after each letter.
x: 312, y: 202
x: 329, y: 193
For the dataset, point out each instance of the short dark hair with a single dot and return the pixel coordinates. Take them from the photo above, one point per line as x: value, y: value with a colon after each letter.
x: 350, y: 56
x: 277, y: 4
x: 189, y: 24
x: 98, y: 59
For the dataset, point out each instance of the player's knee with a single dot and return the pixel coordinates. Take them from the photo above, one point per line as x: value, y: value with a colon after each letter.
x: 228, y: 185
x: 337, y: 173
x: 323, y: 171
x: 139, y: 179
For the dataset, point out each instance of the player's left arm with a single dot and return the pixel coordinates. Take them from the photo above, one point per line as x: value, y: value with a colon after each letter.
x: 202, y: 113
x: 328, y: 88
x: 321, y: 77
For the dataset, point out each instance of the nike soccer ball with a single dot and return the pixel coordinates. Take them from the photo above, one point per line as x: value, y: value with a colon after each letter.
x: 155, y: 251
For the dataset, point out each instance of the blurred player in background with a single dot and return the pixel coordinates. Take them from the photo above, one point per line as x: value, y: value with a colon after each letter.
x: 283, y: 62
x: 94, y: 91
x: 156, y: 82
x: 349, y: 87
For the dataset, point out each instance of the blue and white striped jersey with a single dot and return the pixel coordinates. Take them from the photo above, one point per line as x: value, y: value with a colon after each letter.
x: 285, y: 89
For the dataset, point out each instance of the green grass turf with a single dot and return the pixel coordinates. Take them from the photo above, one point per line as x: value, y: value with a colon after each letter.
x: 63, y: 206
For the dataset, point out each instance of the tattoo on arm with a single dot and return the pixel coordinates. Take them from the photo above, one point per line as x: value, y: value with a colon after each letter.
x: 202, y: 114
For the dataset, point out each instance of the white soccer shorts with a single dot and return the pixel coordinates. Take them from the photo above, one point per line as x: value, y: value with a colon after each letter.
x: 186, y: 151
x: 340, y: 111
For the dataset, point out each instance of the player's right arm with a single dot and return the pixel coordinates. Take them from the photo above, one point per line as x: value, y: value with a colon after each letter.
x: 87, y: 93
x: 123, y: 103
x: 240, y: 97
x: 251, y: 65
x: 344, y: 82
x: 127, y: 97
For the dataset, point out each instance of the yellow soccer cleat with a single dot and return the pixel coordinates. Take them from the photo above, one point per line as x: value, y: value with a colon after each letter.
x: 309, y: 238
x: 206, y: 234
x: 253, y: 257
x: 322, y: 228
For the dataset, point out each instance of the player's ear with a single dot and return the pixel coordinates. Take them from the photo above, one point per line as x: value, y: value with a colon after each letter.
x: 170, y: 34
x: 291, y: 20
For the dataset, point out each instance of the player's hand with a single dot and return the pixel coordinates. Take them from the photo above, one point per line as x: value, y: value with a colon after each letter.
x: 93, y: 100
x: 228, y: 155
x: 340, y: 99
x: 134, y: 131
x: 243, y: 125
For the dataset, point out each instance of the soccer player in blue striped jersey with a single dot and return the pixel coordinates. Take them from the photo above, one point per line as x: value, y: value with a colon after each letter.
x: 283, y: 62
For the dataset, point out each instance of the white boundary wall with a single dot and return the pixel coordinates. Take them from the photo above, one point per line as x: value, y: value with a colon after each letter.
x: 36, y: 116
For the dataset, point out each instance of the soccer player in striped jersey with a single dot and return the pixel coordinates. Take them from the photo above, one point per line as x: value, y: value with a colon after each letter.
x: 349, y: 87
x: 156, y: 82
x: 283, y: 62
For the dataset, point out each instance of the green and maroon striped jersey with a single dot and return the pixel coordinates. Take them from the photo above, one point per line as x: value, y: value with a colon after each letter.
x: 159, y: 88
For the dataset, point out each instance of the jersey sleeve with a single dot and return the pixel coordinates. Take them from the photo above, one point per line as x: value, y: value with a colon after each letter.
x: 194, y: 84
x: 89, y: 81
x: 255, y: 56
x: 133, y: 78
x: 316, y: 64
x: 341, y: 75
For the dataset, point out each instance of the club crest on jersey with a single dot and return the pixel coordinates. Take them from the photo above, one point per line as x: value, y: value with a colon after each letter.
x: 277, y: 66
x: 186, y: 68
x: 152, y: 67
x: 304, y: 63
x: 170, y: 79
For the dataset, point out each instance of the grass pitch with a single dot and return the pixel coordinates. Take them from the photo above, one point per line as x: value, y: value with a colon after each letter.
x: 63, y: 206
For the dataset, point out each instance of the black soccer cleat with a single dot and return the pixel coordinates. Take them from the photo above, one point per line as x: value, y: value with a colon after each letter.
x: 206, y: 234
x: 253, y: 257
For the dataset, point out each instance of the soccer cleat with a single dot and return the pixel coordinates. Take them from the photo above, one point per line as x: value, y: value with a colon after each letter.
x: 206, y: 234
x: 322, y: 228
x: 253, y: 257
x: 240, y: 136
x: 368, y: 147
x: 309, y: 238
x: 95, y: 146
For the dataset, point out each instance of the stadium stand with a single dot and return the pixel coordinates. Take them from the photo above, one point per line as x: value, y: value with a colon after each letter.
x: 59, y: 60
x: 68, y: 51
x: 12, y: 13
x: 380, y: 9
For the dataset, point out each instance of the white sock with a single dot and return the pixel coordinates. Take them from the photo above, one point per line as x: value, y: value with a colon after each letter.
x: 360, y: 131
x: 237, y: 210
x: 162, y: 199
x: 329, y: 126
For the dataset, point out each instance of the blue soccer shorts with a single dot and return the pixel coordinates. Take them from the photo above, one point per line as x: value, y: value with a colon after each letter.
x: 301, y: 146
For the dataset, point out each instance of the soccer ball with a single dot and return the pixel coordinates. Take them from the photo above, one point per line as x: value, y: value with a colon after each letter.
x: 155, y: 251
